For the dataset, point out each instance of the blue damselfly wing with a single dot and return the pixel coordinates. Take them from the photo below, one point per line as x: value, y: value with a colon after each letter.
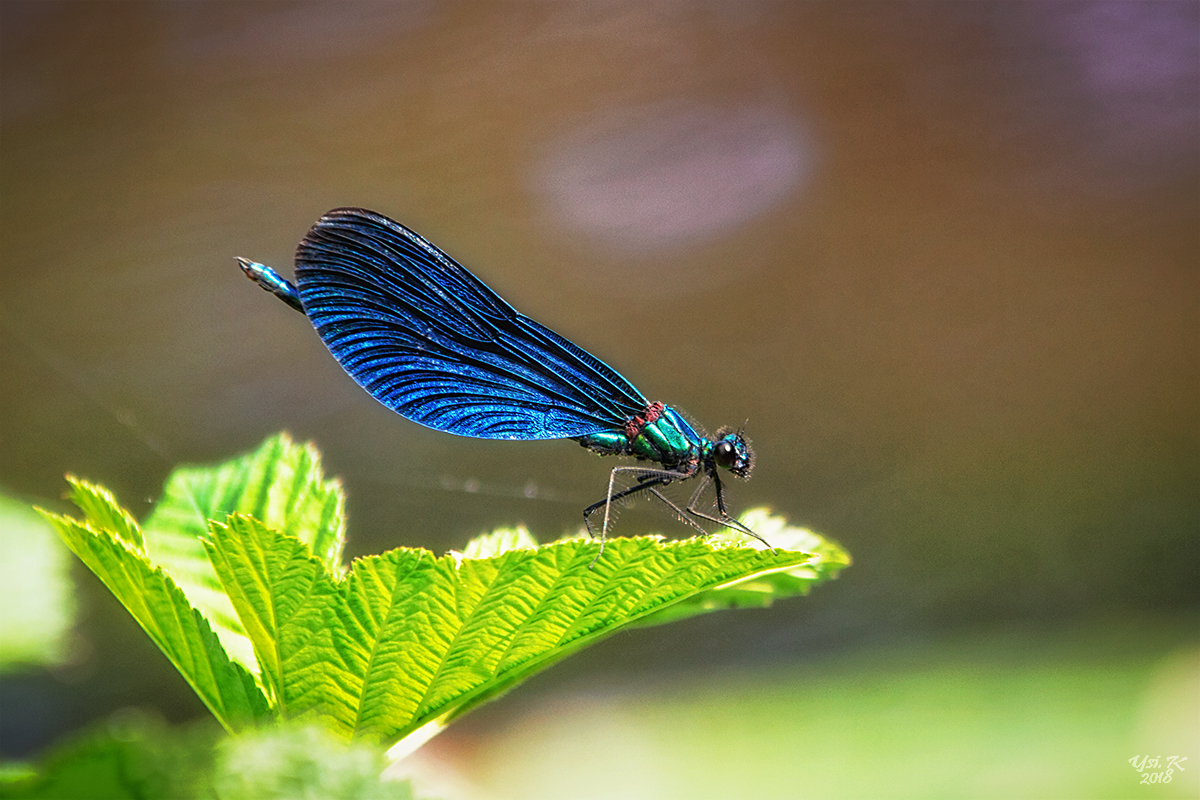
x: 430, y: 341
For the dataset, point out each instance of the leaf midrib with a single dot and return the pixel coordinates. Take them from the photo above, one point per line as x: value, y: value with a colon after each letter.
x: 380, y: 627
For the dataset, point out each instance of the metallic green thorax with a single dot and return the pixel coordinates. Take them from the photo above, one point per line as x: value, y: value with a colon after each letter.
x: 669, y: 440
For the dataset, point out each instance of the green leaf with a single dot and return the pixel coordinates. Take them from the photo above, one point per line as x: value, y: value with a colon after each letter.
x: 394, y: 648
x: 493, y: 622
x: 284, y: 598
x: 826, y: 560
x: 100, y: 508
x: 179, y: 630
x: 281, y: 484
x: 407, y: 639
x: 500, y: 541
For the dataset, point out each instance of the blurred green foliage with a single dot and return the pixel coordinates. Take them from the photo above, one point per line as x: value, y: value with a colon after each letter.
x: 134, y: 756
x: 1006, y: 712
x: 37, y: 602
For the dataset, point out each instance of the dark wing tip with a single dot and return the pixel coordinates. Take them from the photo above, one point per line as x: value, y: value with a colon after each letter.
x: 360, y: 224
x: 341, y: 215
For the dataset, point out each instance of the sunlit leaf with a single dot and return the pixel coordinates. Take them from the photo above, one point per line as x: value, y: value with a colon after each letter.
x: 407, y: 638
x: 179, y: 630
x: 401, y: 643
x: 101, y: 509
x: 826, y: 560
x: 501, y: 540
x: 284, y: 597
x: 281, y: 484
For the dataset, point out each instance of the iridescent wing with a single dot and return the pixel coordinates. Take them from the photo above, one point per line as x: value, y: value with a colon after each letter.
x: 430, y: 341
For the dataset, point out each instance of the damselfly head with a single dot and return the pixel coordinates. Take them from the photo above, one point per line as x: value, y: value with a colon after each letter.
x: 732, y: 452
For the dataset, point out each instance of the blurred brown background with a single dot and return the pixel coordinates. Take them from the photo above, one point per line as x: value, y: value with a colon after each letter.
x: 942, y: 256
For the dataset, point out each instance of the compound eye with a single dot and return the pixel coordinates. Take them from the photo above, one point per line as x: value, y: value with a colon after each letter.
x: 725, y: 454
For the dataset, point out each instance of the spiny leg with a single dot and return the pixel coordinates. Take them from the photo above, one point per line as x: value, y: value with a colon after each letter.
x: 724, y: 518
x: 648, y: 480
x: 683, y: 514
x: 679, y: 512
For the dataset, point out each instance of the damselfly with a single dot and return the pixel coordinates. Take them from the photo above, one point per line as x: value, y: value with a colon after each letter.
x: 430, y: 341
